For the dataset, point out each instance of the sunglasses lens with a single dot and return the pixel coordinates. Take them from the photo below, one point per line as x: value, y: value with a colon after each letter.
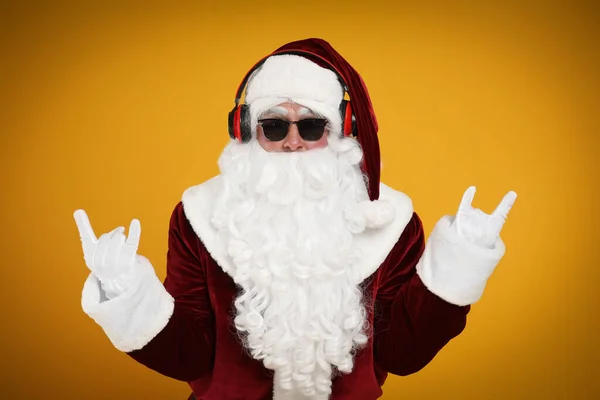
x: 311, y: 129
x: 275, y: 129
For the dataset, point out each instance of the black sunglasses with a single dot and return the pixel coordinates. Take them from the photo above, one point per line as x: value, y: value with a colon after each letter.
x: 310, y: 129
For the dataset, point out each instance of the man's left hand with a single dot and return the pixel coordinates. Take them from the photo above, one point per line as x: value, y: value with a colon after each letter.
x: 478, y: 227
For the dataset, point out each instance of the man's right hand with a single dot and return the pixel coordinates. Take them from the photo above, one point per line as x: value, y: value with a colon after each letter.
x: 112, y: 258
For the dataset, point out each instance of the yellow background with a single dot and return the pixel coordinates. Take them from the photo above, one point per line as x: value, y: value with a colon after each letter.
x: 117, y: 109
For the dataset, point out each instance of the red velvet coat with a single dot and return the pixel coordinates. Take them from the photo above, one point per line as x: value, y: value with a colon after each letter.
x: 200, y: 345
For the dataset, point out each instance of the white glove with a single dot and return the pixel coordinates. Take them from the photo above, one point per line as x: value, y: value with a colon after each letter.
x: 113, y: 257
x: 478, y: 227
x: 463, y: 251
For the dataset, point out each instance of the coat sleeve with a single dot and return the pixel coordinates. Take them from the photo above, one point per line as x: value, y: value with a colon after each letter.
x: 412, y: 324
x: 184, y: 349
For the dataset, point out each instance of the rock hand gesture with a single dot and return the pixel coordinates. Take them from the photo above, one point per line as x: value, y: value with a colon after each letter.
x: 478, y: 227
x: 111, y: 258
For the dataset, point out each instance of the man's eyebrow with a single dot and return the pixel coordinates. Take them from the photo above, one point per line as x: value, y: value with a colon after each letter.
x: 306, y: 111
x: 282, y: 111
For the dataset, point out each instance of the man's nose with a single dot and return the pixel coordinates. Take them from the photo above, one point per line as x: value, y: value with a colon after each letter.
x: 293, y: 141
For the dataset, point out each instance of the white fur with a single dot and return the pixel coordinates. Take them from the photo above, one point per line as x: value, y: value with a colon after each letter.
x: 455, y: 269
x: 136, y: 316
x: 292, y: 76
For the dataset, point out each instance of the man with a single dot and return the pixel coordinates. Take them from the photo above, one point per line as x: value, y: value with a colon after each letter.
x: 295, y: 273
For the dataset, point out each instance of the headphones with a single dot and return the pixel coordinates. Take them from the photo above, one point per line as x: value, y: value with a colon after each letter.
x: 239, y: 116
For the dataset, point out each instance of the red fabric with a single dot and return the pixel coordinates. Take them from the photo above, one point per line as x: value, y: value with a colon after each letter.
x: 200, y: 345
x: 360, y: 100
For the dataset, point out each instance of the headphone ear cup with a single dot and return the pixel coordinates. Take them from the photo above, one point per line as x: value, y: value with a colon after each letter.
x: 231, y: 122
x: 245, y: 128
x: 343, y: 116
x: 348, y: 120
x: 239, y: 124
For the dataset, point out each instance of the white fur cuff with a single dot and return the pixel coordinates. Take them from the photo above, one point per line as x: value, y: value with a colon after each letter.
x: 135, y: 317
x: 455, y: 269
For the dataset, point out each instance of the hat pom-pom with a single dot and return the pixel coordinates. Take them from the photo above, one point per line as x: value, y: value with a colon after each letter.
x: 378, y: 213
x: 369, y: 214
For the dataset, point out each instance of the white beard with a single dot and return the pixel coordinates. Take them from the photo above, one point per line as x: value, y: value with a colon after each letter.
x: 287, y: 220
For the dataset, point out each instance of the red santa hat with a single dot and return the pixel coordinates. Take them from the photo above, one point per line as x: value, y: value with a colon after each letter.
x: 308, y: 72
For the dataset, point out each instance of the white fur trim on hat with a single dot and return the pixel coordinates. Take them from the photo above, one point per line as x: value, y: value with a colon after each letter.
x: 294, y: 77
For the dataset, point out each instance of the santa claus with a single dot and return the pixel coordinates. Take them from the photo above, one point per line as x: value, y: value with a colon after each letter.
x: 295, y: 273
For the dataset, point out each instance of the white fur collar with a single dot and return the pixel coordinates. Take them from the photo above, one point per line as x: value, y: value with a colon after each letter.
x: 376, y: 244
